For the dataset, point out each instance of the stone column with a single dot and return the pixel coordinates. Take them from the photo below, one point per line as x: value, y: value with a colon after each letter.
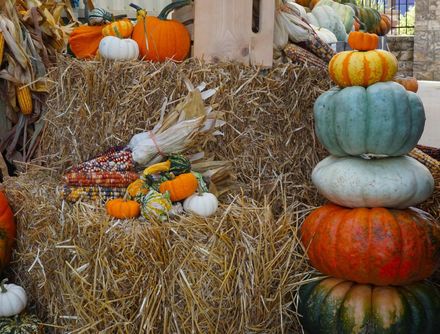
x: 427, y: 40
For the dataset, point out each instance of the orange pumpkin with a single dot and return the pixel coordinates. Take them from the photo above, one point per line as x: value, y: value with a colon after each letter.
x: 160, y: 39
x: 410, y: 83
x: 122, y: 209
x: 304, y: 3
x: 372, y: 246
x: 384, y: 25
x: 180, y: 187
x: 84, y: 41
x: 7, y: 231
x: 121, y: 29
x: 313, y: 3
x: 362, y: 41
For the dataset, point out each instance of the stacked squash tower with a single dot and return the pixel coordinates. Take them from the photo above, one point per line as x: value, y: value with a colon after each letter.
x: 376, y: 248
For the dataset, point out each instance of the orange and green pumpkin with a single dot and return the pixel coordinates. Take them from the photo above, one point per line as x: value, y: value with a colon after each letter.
x: 160, y: 39
x: 180, y: 187
x: 121, y: 29
x: 372, y: 246
x: 362, y: 68
x: 335, y: 306
x: 7, y: 231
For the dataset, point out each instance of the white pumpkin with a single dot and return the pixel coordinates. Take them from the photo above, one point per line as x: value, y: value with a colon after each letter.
x: 13, y: 299
x: 205, y: 204
x: 325, y: 35
x: 115, y: 48
x: 354, y: 182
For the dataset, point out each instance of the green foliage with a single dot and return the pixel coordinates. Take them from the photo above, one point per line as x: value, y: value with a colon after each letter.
x: 408, y: 19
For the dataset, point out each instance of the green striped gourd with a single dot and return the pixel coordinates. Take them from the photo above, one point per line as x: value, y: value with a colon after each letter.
x: 154, y: 205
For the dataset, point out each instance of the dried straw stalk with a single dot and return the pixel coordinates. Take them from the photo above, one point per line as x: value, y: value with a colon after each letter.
x: 237, y: 272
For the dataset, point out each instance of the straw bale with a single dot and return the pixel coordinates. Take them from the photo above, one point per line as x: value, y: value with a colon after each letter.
x: 237, y: 272
x: 269, y: 133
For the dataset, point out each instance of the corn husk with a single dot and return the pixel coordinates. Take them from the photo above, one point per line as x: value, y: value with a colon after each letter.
x: 176, y: 132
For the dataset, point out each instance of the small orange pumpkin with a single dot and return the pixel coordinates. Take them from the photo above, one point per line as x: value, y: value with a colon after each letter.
x: 7, y: 231
x: 384, y: 25
x: 362, y: 41
x: 122, y: 209
x: 180, y: 187
x: 121, y: 29
x: 410, y: 83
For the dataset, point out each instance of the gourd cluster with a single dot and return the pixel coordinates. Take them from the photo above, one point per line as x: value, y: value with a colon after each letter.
x: 150, y: 38
x: 376, y: 248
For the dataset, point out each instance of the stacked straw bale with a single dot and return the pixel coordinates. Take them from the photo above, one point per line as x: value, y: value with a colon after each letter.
x: 237, y: 272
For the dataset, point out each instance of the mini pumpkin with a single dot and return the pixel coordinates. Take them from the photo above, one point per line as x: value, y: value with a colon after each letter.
x: 13, y: 299
x: 362, y: 41
x: 115, y: 48
x: 7, y: 231
x: 180, y: 187
x: 160, y: 39
x: 122, y: 209
x: 204, y: 204
x: 384, y: 25
x: 410, y: 83
x: 100, y: 16
x: 121, y: 29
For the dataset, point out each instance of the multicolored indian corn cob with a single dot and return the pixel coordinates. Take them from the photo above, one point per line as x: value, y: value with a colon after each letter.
x: 103, y: 179
x: 116, y: 159
x: 299, y: 55
x: 432, y: 164
x: 73, y: 194
x: 320, y: 49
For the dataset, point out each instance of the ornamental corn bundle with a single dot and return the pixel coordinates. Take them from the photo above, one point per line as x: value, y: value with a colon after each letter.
x: 24, y: 99
x: 300, y: 55
x: 103, y: 179
x: 116, y: 159
x: 318, y: 48
x: 431, y: 151
x: 177, y: 132
x: 73, y: 194
x: 432, y: 164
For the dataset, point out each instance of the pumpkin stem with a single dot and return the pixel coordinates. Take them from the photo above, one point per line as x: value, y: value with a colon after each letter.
x: 172, y: 6
x: 132, y: 5
x: 2, y: 286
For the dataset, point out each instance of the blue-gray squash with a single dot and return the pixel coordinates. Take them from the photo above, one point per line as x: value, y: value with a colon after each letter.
x: 353, y: 182
x: 383, y: 119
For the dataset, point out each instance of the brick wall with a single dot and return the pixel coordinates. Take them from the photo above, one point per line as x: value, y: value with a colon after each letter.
x: 427, y: 40
x: 403, y: 48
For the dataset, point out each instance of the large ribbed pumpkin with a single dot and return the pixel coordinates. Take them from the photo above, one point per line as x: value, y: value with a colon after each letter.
x: 7, y: 231
x: 372, y: 246
x: 359, y: 68
x: 383, y: 119
x: 160, y: 39
x: 335, y: 306
x: 398, y: 182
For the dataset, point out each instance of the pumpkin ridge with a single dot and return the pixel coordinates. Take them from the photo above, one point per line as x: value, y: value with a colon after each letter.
x: 342, y: 304
x: 384, y: 65
x: 367, y: 71
x: 345, y: 72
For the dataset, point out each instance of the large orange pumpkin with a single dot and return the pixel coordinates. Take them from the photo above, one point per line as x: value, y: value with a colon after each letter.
x: 84, y: 41
x: 7, y: 231
x: 372, y: 246
x: 160, y: 39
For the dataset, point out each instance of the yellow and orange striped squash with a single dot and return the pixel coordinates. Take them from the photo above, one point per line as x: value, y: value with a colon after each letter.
x: 358, y: 68
x: 24, y: 99
x: 121, y: 29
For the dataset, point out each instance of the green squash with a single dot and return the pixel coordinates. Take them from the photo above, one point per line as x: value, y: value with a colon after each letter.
x: 335, y: 306
x: 21, y: 324
x: 383, y: 119
x: 326, y: 17
x: 179, y: 164
x: 354, y: 182
x: 155, y: 205
x: 346, y: 13
x: 370, y: 17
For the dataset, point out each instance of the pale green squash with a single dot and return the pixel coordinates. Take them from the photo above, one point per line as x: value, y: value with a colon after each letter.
x: 352, y: 182
x: 383, y: 119
x: 346, y: 13
x: 326, y: 17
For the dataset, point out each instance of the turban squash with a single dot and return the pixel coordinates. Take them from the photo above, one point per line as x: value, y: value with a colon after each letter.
x: 336, y: 306
x: 372, y: 246
x: 7, y: 231
x: 387, y: 120
x: 359, y: 68
x: 84, y: 41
